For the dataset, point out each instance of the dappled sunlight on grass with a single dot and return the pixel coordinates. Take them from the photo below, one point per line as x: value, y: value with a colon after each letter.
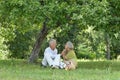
x: 87, y: 60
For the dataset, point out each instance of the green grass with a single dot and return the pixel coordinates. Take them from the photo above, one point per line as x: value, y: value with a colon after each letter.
x: 87, y: 70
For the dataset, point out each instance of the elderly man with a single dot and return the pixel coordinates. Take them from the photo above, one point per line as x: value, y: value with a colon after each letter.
x: 51, y: 57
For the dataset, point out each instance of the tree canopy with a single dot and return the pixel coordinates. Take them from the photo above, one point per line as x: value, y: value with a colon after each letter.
x: 92, y: 25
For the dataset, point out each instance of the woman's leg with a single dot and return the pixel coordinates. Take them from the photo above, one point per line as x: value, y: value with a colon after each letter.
x: 70, y: 66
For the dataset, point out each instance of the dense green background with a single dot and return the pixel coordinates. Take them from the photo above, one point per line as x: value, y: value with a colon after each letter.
x: 84, y: 22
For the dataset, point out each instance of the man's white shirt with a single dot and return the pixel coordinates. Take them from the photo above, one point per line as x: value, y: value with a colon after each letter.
x: 52, y: 53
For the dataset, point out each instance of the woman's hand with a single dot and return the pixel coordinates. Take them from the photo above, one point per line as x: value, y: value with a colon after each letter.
x: 63, y: 52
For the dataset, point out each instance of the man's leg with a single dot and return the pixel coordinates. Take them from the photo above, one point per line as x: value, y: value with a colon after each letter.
x: 44, y: 62
x: 62, y: 65
x: 57, y: 60
x: 47, y: 59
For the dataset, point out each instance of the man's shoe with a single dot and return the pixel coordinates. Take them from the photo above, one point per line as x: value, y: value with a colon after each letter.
x: 43, y: 65
x: 55, y: 67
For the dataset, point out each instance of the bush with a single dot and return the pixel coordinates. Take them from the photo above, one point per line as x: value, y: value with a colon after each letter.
x: 22, y: 44
x: 118, y: 57
x: 3, y: 49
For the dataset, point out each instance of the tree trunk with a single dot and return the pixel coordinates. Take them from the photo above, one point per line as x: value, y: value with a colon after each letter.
x: 107, y: 40
x: 36, y: 49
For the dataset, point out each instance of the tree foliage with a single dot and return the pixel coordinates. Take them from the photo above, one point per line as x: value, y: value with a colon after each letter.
x: 84, y: 22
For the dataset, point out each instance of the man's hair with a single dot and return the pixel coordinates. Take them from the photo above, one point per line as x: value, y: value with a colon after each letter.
x: 51, y: 41
x: 70, y: 45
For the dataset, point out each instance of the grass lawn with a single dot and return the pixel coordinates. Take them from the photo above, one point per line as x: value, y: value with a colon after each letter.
x: 87, y: 70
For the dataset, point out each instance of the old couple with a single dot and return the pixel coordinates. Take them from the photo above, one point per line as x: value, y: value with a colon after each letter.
x: 53, y: 59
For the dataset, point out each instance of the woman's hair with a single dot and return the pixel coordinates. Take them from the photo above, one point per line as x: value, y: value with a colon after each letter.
x: 70, y: 45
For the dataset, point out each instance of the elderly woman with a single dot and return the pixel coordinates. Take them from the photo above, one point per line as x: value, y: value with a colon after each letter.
x: 69, y: 56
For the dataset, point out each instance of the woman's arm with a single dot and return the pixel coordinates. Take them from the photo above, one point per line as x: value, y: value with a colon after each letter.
x: 64, y: 54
